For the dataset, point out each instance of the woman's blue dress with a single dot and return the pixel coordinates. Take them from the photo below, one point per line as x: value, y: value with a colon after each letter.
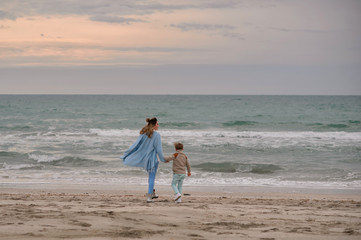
x: 143, y: 153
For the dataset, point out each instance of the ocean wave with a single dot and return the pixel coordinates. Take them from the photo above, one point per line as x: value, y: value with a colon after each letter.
x: 345, y: 125
x: 112, y: 176
x: 264, y: 168
x: 53, y: 160
x: 336, y: 125
x: 109, y: 140
x: 231, y: 167
x: 43, y: 158
x: 74, y: 162
x: 349, y: 125
x: 179, y: 124
x: 21, y: 167
x: 271, y: 182
x: 238, y: 123
x: 7, y: 154
x: 306, y: 140
x: 233, y: 134
x: 226, y: 167
x: 205, y: 134
x: 115, y: 132
x: 16, y: 128
x: 354, y: 121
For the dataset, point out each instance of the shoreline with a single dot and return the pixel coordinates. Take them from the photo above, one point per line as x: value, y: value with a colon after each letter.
x: 167, y: 192
x: 200, y: 188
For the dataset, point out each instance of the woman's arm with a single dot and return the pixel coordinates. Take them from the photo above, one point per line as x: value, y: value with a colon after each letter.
x: 158, y: 146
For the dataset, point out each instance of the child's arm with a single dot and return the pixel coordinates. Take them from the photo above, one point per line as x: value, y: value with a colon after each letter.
x: 188, y: 168
x: 170, y: 158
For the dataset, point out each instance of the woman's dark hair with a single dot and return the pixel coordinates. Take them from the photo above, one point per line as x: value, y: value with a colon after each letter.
x: 151, y: 121
x: 149, y: 128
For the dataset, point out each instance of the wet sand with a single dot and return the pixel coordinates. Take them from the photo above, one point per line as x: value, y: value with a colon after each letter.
x: 124, y: 214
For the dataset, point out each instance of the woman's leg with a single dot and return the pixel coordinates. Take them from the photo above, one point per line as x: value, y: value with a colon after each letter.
x: 151, y: 179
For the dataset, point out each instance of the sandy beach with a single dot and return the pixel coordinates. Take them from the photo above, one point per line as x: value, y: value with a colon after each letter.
x: 124, y: 214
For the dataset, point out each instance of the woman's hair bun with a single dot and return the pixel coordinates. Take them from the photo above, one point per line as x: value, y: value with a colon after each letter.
x: 151, y: 121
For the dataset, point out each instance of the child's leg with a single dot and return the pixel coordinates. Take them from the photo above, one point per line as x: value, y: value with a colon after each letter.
x: 151, y: 179
x: 180, y: 183
x: 174, y: 183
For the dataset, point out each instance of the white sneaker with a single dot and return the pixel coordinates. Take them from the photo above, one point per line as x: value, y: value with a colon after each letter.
x: 154, y: 195
x: 177, y: 196
x: 149, y: 198
x: 179, y: 200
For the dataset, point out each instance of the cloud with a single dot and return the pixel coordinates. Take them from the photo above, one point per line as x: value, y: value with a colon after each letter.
x: 63, y: 46
x: 7, y: 15
x: 114, y: 19
x: 73, y: 53
x: 13, y: 8
x: 199, y: 27
x: 155, y: 49
x: 10, y: 51
x: 49, y: 36
x: 263, y: 27
x: 298, y: 30
x: 225, y: 30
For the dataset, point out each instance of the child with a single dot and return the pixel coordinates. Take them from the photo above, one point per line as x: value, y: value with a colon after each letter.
x: 180, y: 162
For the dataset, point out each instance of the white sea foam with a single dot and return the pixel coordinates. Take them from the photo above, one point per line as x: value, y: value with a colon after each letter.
x: 115, y: 132
x: 216, y: 137
x: 43, y: 158
x: 17, y: 167
x: 235, y: 134
x: 117, y: 176
x: 200, y: 136
x: 83, y: 178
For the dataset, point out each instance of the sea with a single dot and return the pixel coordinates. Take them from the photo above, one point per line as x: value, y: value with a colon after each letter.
x: 289, y: 142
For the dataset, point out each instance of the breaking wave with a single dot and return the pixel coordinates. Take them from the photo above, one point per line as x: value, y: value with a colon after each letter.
x: 231, y: 167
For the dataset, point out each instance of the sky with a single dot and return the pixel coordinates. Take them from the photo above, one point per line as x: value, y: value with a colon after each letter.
x: 276, y: 47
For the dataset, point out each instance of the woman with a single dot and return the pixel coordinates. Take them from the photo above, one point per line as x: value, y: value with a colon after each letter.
x: 143, y: 153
